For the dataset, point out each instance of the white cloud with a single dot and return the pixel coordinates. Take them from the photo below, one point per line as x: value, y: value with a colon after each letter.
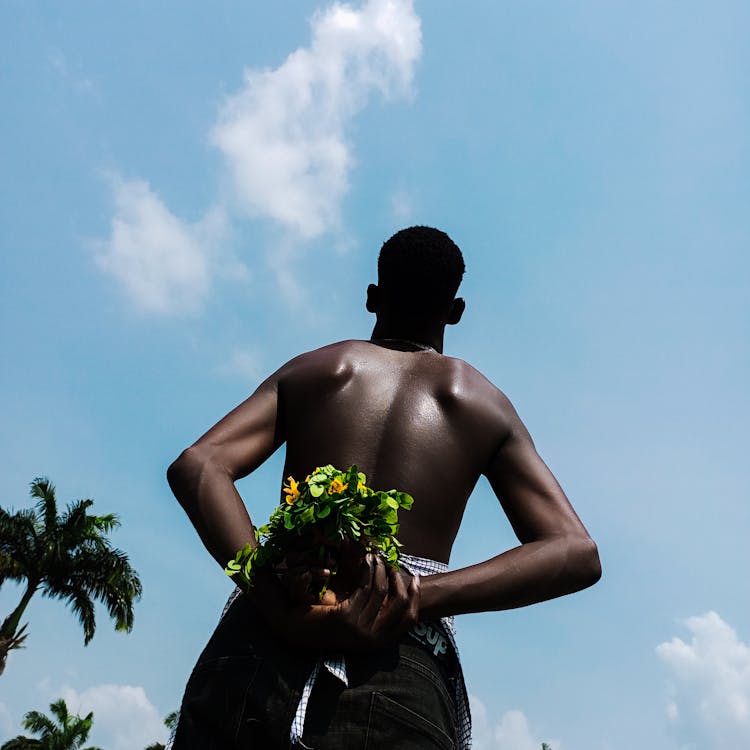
x: 163, y: 263
x: 710, y: 702
x: 511, y: 731
x: 283, y: 134
x: 124, y: 718
x: 244, y: 363
x: 283, y: 137
x: 402, y: 205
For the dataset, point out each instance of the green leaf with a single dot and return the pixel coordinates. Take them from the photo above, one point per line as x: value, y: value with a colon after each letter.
x: 324, y: 512
x: 316, y: 490
x: 405, y: 500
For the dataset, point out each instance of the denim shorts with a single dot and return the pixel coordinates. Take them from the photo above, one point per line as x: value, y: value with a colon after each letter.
x: 246, y: 685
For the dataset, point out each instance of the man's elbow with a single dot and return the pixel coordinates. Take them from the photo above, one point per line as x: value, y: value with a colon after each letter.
x: 588, y: 566
x: 185, y: 470
x: 177, y: 468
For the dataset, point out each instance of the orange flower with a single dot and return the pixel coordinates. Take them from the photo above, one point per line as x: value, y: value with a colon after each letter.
x: 291, y: 492
x: 337, y: 486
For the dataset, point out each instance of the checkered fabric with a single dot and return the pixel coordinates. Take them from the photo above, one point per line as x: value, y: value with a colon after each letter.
x: 423, y: 566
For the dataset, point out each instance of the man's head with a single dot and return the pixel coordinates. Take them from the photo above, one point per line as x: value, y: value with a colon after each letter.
x: 419, y: 272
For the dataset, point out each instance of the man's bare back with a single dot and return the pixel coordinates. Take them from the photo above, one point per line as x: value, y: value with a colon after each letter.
x: 410, y: 419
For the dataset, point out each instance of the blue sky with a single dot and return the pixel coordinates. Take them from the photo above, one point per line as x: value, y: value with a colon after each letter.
x: 191, y: 195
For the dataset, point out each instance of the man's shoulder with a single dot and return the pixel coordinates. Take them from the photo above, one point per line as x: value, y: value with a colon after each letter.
x: 471, y: 385
x: 336, y: 351
x: 329, y: 360
x: 463, y: 375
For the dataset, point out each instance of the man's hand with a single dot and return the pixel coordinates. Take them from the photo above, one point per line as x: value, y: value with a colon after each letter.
x: 304, y: 573
x: 383, y: 606
x: 302, y: 580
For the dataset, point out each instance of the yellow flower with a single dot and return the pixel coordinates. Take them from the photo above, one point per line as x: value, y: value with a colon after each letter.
x: 337, y: 486
x: 291, y: 492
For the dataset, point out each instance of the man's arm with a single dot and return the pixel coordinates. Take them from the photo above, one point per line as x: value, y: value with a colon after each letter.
x: 203, y: 476
x: 556, y: 556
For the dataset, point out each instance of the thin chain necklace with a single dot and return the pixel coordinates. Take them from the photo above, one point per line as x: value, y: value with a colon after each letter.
x: 415, y: 344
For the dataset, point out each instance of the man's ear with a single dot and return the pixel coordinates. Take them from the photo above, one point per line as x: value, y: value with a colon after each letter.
x: 457, y: 310
x: 373, y: 298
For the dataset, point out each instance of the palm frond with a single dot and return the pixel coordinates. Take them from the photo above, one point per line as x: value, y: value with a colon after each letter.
x: 107, y: 523
x: 171, y: 720
x: 82, y: 606
x: 60, y: 709
x: 18, y: 541
x: 109, y: 578
x: 10, y: 569
x: 79, y: 600
x: 77, y: 730
x: 44, y: 492
x: 39, y: 723
x: 23, y: 743
x: 16, y: 640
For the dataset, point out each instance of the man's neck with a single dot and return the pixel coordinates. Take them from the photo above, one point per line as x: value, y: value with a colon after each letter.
x: 419, y: 338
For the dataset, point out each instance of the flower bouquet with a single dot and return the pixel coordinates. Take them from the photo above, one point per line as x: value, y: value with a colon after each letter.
x: 331, y: 516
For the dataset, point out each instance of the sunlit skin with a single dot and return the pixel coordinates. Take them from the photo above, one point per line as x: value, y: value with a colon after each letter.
x: 411, y: 419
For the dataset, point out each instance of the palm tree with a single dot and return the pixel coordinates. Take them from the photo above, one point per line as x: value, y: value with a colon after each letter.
x: 67, y: 733
x: 67, y: 557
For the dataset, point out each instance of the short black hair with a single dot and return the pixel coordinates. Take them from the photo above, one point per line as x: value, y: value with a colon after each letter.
x: 420, y: 269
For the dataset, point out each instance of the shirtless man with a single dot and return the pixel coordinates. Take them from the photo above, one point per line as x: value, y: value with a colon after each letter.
x: 410, y: 418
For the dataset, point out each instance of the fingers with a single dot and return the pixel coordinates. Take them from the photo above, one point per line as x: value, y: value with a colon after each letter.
x: 414, y: 594
x: 363, y: 605
x: 378, y: 590
x: 359, y: 597
x: 401, y: 607
x: 298, y: 587
x: 372, y: 588
x: 303, y: 584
